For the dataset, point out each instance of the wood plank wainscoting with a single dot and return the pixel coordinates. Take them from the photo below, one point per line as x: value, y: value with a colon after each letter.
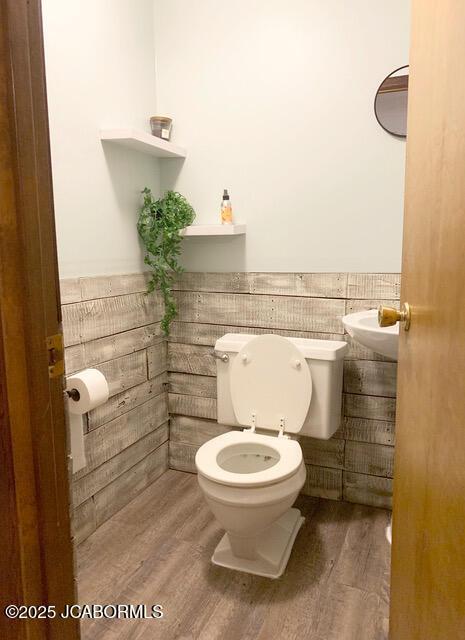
x: 112, y: 325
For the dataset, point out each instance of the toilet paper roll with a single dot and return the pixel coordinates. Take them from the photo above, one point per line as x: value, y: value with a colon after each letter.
x: 92, y: 388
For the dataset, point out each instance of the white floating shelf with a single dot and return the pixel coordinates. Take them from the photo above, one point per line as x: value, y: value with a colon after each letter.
x: 215, y: 230
x: 144, y: 142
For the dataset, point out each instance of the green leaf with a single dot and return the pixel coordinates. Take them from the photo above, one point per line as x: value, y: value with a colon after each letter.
x: 159, y: 226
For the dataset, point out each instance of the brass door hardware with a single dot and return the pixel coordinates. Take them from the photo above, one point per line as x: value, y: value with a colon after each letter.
x: 388, y: 316
x: 56, y: 361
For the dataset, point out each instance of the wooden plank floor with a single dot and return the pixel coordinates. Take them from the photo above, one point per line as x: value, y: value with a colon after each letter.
x: 157, y: 551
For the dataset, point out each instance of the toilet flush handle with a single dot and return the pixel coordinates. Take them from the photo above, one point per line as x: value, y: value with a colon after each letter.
x: 220, y: 356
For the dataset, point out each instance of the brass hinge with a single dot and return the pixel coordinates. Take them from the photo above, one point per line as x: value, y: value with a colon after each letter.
x: 56, y: 360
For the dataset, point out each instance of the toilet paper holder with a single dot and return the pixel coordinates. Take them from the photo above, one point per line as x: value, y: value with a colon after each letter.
x: 86, y: 390
x: 73, y: 394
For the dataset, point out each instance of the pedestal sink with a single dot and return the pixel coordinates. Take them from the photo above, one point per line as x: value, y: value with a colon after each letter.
x: 363, y: 327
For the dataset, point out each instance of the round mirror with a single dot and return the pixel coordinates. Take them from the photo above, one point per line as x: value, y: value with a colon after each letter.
x: 391, y: 102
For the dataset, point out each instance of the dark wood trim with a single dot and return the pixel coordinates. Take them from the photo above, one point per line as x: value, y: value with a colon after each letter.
x: 393, y: 84
x: 34, y: 493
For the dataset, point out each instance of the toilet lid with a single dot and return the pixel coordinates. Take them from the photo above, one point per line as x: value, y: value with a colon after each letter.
x: 271, y: 379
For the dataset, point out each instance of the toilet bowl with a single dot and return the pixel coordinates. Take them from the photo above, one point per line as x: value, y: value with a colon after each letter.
x: 250, y: 480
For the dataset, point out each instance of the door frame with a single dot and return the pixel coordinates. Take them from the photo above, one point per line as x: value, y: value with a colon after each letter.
x: 36, y: 563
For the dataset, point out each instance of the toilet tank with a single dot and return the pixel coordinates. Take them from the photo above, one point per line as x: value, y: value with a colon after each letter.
x: 325, y: 360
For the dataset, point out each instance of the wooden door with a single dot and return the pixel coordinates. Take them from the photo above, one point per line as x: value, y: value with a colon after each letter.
x: 428, y: 561
x: 36, y: 559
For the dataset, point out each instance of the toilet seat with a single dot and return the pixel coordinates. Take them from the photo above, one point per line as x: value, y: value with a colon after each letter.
x: 271, y: 384
x: 289, y: 452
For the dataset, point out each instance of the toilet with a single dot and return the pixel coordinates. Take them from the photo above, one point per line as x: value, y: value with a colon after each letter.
x: 274, y: 388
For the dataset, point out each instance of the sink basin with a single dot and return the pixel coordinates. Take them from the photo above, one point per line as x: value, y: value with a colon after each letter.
x: 363, y: 327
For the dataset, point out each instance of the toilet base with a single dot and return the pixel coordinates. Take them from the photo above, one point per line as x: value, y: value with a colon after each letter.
x: 273, y: 550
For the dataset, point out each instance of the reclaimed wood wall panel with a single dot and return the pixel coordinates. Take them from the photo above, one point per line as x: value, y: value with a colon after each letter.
x: 186, y: 405
x: 370, y: 407
x: 74, y: 358
x: 112, y: 325
x: 101, y: 350
x: 127, y: 401
x: 325, y: 453
x: 217, y: 282
x: 365, y: 430
x: 128, y: 485
x: 92, y: 287
x: 70, y: 290
x: 125, y: 372
x: 157, y: 359
x: 111, y: 286
x: 182, y: 456
x: 194, y: 431
x: 364, y: 489
x: 189, y: 358
x: 83, y: 521
x: 314, y: 285
x: 192, y: 385
x: 365, y: 377
x: 94, y: 511
x: 373, y: 285
x: 356, y: 464
x: 372, y: 459
x: 322, y: 482
x: 251, y: 310
x: 88, y: 485
x: 91, y: 319
x: 198, y: 333
x: 111, y: 438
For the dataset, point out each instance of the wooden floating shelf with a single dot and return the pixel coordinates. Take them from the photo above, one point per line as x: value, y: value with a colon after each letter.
x: 215, y: 230
x: 144, y: 142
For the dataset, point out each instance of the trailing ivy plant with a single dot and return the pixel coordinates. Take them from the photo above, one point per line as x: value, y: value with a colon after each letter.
x: 159, y: 225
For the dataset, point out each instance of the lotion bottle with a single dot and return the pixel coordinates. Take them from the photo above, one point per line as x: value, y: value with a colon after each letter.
x: 226, y: 209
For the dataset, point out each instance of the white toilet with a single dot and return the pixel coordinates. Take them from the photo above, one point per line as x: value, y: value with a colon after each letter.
x: 250, y: 480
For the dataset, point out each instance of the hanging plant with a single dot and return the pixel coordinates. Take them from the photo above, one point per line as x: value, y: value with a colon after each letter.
x: 159, y: 225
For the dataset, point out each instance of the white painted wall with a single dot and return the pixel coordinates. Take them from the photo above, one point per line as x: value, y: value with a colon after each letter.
x: 100, y: 73
x: 274, y: 100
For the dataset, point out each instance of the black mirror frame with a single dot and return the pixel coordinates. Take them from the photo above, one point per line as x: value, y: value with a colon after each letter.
x: 396, y: 135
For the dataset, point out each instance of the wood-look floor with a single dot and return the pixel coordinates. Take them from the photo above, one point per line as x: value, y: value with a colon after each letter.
x: 157, y: 551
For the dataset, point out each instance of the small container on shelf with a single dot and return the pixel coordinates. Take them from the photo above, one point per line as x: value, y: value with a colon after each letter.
x: 161, y: 127
x: 226, y: 209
